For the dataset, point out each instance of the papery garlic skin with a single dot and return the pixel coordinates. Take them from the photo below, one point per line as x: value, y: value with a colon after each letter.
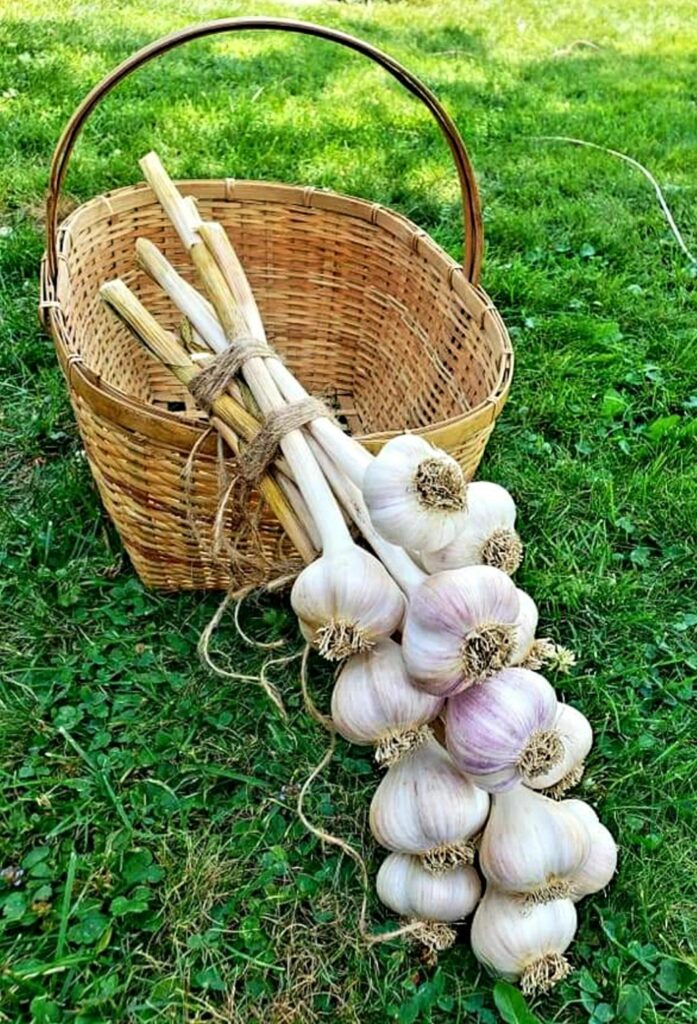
x: 525, y: 944
x: 460, y: 628
x: 526, y: 626
x: 576, y: 735
x: 488, y: 536
x: 416, y: 494
x: 503, y: 733
x: 375, y: 702
x: 532, y: 846
x: 407, y: 888
x: 346, y: 602
x: 598, y: 869
x: 426, y: 807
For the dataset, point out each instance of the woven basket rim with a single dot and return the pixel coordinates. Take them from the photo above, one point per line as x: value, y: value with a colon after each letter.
x: 89, y: 383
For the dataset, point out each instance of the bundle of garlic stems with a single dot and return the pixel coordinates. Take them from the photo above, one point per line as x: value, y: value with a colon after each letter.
x: 428, y: 627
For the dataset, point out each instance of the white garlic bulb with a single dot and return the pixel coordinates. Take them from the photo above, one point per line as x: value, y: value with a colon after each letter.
x: 406, y: 887
x: 525, y: 944
x: 503, y: 733
x: 601, y: 863
x: 532, y: 846
x: 487, y: 537
x: 526, y: 625
x: 416, y: 494
x: 576, y: 737
x: 425, y: 807
x: 375, y: 702
x: 346, y: 602
x: 460, y: 628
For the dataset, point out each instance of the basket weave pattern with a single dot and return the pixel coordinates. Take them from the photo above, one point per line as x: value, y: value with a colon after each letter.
x: 365, y: 308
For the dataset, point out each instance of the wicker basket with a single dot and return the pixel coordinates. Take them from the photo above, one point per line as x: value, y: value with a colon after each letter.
x: 363, y: 305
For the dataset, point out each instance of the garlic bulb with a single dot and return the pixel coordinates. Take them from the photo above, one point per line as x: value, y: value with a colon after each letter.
x: 524, y: 943
x: 460, y: 628
x: 375, y: 702
x: 526, y: 624
x: 487, y: 537
x: 532, y: 846
x: 576, y: 736
x: 601, y: 863
x: 425, y: 807
x: 345, y: 602
x: 405, y: 886
x: 416, y: 494
x: 504, y: 732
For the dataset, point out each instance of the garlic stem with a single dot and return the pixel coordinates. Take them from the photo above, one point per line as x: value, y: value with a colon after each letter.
x: 193, y: 231
x: 308, y: 477
x: 299, y: 506
x: 352, y: 457
x: 395, y: 559
x: 172, y: 355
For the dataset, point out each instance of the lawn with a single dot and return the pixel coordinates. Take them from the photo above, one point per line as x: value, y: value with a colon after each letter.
x: 156, y: 869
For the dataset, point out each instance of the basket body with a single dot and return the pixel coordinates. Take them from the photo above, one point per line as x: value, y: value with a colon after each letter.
x: 366, y: 309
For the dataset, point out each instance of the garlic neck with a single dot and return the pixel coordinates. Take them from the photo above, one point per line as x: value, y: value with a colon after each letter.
x: 396, y: 560
x: 351, y: 456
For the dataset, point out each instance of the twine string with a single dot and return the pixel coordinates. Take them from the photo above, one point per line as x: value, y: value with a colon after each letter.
x: 675, y: 230
x: 369, y: 937
x: 214, y: 380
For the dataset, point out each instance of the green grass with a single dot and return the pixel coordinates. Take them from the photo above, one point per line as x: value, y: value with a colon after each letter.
x: 151, y: 807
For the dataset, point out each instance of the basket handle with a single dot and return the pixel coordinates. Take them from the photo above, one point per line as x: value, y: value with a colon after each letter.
x: 474, y: 242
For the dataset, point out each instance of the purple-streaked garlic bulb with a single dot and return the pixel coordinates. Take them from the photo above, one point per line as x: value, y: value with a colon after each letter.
x: 424, y: 806
x: 576, y: 736
x: 460, y: 628
x: 503, y: 733
x: 374, y: 702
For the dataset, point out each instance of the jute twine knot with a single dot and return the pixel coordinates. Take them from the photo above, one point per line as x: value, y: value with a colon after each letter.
x: 213, y: 381
x: 216, y: 378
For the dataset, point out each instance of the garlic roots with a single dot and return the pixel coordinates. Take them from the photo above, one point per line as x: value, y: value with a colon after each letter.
x: 504, y: 732
x: 346, y: 602
x: 460, y: 628
x: 487, y: 536
x: 425, y: 807
x: 576, y: 736
x: 416, y: 494
x: 525, y: 944
x: 375, y: 702
x: 532, y: 846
